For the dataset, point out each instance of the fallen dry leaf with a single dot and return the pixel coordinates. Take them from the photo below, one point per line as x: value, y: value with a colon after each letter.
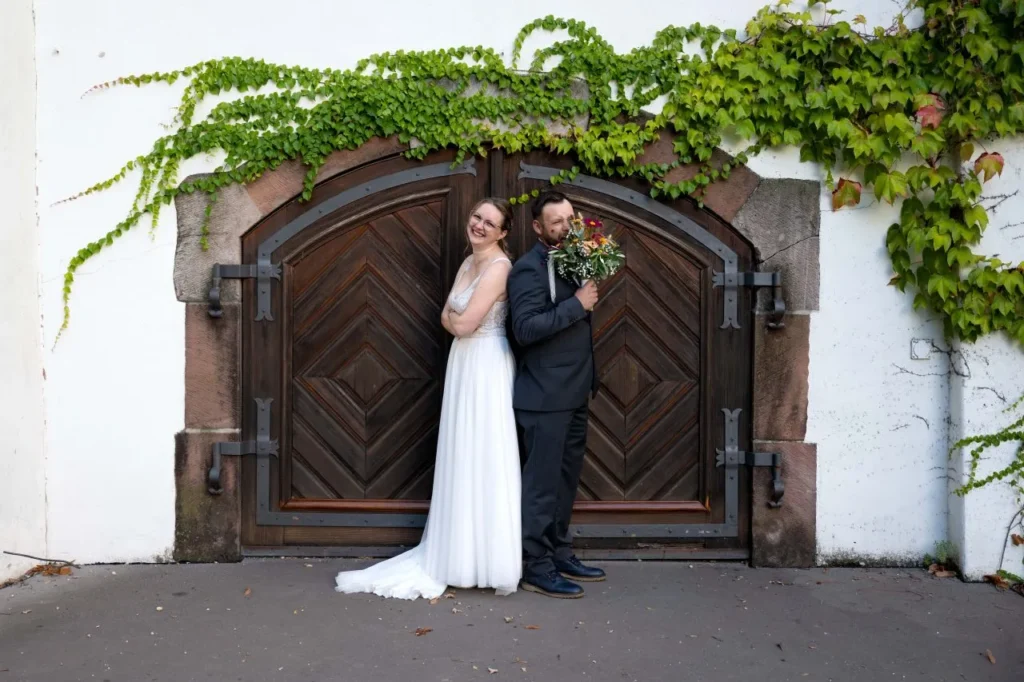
x: 248, y: 592
x: 945, y: 574
x: 509, y: 619
x: 532, y: 627
x: 434, y: 601
x: 159, y: 608
x: 422, y: 631
x: 990, y: 657
x: 1017, y: 540
x: 26, y: 611
x: 493, y: 671
x: 449, y: 595
x: 997, y: 580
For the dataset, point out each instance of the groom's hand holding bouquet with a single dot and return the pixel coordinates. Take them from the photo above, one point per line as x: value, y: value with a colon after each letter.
x: 586, y: 256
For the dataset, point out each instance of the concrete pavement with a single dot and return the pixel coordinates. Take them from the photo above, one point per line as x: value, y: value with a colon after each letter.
x: 280, y: 620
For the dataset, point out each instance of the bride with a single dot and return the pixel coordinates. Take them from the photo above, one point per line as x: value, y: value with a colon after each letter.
x: 472, y: 535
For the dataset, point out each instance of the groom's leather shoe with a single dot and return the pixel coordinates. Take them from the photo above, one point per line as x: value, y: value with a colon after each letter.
x: 574, y: 570
x: 553, y: 585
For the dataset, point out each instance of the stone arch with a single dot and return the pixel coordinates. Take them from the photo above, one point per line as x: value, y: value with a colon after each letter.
x: 780, y: 218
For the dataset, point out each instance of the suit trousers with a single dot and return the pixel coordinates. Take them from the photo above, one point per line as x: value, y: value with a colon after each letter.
x: 553, y: 447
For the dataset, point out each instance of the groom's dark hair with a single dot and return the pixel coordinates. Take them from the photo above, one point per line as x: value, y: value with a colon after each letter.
x: 543, y: 199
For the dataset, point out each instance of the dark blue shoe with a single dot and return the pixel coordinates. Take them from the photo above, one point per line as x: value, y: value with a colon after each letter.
x: 574, y: 570
x: 552, y: 585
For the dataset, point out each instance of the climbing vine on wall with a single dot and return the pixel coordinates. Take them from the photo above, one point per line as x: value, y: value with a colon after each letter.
x: 903, y: 113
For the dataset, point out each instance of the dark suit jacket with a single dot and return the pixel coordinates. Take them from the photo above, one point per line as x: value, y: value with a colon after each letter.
x: 553, y: 341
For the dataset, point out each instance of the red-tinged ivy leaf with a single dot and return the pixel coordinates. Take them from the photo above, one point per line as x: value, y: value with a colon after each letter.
x: 847, y: 194
x: 998, y: 581
x: 930, y: 116
x: 1017, y: 540
x: 989, y: 164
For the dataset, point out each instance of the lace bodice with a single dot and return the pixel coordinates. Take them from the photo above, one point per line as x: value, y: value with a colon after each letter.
x: 493, y: 323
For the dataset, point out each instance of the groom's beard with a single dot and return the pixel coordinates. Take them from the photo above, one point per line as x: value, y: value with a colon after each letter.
x: 546, y: 241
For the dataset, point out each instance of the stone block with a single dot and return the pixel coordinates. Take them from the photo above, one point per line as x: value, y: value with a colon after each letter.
x: 275, y: 188
x: 211, y: 367
x: 724, y: 198
x: 781, y: 362
x: 232, y: 216
x: 785, y: 537
x: 782, y: 219
x: 207, y: 527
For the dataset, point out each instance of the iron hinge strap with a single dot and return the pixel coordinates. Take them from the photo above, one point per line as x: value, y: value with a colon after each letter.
x: 263, y: 446
x: 262, y: 273
x: 732, y: 457
x: 731, y: 281
x: 750, y: 459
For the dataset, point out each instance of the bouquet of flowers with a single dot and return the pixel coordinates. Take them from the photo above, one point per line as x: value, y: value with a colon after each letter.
x: 586, y: 253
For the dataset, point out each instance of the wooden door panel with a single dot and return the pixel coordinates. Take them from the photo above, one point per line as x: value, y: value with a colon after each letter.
x: 365, y: 358
x: 665, y: 367
x: 355, y: 358
x: 645, y: 432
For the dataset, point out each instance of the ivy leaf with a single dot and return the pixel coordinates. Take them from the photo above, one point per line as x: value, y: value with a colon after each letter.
x: 895, y: 239
x: 976, y: 215
x: 966, y: 151
x: 872, y: 172
x: 847, y: 193
x: 989, y: 164
x: 890, y: 186
x: 1003, y: 305
x: 1013, y: 280
x: 745, y: 128
x: 942, y: 285
x: 860, y: 19
x: 960, y: 256
x: 929, y: 116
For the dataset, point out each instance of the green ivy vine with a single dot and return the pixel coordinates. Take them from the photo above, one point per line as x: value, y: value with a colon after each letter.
x: 1012, y: 473
x: 860, y: 102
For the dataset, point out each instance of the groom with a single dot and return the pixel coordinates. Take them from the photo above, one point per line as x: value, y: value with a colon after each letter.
x: 550, y: 320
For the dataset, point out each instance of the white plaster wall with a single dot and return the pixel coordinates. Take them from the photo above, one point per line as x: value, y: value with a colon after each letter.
x: 983, y: 391
x: 115, y: 380
x: 22, y: 470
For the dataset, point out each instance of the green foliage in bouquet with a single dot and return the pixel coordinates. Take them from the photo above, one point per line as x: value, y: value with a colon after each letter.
x: 586, y: 252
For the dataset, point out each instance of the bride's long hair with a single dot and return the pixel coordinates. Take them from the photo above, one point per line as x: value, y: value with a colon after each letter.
x: 505, y: 209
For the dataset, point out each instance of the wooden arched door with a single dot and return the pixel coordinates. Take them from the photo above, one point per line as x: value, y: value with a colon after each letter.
x: 351, y: 353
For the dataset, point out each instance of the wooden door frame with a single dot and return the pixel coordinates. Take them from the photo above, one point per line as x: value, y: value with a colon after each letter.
x: 209, y: 526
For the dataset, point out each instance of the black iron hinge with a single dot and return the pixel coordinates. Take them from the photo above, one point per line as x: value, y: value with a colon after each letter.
x: 261, y: 273
x: 261, y: 447
x: 732, y: 281
x: 732, y: 457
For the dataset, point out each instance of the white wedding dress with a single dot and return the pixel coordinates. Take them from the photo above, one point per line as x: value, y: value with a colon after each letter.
x: 472, y: 535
